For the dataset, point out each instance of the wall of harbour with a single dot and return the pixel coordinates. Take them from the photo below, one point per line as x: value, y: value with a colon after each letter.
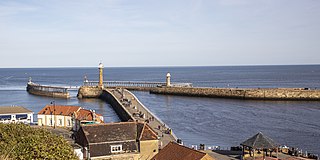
x: 35, y: 89
x: 257, y: 94
x: 106, y: 95
x: 89, y: 92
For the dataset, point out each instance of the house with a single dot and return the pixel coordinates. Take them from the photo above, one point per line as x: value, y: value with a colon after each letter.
x: 123, y: 140
x: 84, y: 116
x: 67, y: 116
x: 174, y: 151
x: 15, y: 114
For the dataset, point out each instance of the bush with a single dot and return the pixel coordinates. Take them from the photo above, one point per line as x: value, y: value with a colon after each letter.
x: 20, y: 141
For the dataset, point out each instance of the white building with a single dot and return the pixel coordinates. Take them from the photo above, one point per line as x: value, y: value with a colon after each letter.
x: 67, y: 116
x: 15, y: 114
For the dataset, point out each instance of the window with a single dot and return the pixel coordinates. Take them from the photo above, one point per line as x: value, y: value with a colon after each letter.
x: 5, y: 117
x: 50, y: 119
x: 60, y: 122
x: 21, y: 116
x: 69, y: 122
x: 116, y: 148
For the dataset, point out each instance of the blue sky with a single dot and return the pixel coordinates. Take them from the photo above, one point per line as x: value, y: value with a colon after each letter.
x: 37, y: 33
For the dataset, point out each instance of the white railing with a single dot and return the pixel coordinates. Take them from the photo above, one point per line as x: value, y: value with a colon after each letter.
x: 157, y: 118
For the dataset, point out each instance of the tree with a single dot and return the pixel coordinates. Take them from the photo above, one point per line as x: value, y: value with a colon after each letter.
x: 20, y: 141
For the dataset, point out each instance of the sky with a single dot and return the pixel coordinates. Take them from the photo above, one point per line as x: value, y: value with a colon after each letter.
x: 123, y: 33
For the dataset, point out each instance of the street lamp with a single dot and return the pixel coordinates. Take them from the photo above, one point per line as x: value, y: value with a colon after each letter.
x: 54, y: 113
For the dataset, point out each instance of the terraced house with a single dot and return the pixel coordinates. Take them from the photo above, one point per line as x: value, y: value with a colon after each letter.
x: 67, y: 116
x: 123, y: 140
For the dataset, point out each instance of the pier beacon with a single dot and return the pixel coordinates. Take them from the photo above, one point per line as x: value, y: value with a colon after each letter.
x: 101, y: 75
x: 168, y: 82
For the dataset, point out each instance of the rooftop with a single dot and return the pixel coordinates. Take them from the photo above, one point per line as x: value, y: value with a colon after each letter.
x: 174, y: 151
x: 260, y: 141
x: 13, y: 109
x: 59, y: 110
x: 122, y: 131
x: 84, y: 114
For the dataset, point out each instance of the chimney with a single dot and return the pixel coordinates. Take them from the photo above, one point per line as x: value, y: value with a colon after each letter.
x: 94, y: 116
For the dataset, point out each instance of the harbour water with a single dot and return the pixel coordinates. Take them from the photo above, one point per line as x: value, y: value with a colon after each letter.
x: 221, y: 122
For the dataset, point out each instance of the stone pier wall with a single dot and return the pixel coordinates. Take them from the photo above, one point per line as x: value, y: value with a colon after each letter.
x: 89, y: 92
x: 260, y: 94
x: 96, y: 92
x: 121, y: 111
x: 33, y: 89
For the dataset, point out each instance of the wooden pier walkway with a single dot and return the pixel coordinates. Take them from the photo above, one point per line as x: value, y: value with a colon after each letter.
x: 142, y: 114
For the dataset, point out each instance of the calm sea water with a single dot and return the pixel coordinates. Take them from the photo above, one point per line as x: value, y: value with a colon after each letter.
x: 223, y: 122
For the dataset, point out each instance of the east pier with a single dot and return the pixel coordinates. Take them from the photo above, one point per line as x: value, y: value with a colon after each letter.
x: 284, y: 94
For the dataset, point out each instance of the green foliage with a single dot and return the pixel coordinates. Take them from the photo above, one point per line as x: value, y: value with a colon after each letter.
x: 20, y: 141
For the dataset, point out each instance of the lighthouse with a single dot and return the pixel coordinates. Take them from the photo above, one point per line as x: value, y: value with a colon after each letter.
x: 168, y: 81
x: 100, y: 75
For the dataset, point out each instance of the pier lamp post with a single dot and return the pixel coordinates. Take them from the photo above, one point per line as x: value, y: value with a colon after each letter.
x: 54, y: 113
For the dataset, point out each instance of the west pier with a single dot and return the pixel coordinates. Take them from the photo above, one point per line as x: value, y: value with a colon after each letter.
x: 47, y: 91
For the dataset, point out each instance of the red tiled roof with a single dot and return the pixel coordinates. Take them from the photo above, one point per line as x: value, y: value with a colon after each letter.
x: 148, y: 133
x: 81, y: 114
x: 174, y: 151
x: 84, y: 114
x: 59, y: 110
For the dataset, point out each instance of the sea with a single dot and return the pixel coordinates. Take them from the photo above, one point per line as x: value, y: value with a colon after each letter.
x: 210, y: 121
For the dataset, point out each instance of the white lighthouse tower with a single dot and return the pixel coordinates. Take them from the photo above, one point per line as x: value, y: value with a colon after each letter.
x: 168, y: 80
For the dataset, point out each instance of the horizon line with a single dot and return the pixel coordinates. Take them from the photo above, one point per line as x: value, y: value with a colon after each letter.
x: 163, y: 66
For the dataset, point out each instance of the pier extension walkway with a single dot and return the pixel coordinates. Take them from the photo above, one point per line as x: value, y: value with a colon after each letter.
x: 142, y: 114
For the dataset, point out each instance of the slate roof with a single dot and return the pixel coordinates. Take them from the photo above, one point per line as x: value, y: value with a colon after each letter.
x: 122, y: 131
x: 260, y: 141
x: 13, y: 109
x: 110, y: 132
x: 174, y: 151
x: 59, y: 110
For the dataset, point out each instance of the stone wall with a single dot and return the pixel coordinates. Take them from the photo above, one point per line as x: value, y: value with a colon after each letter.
x: 149, y: 149
x: 121, y: 111
x: 263, y: 94
x: 33, y: 91
x: 89, y: 92
x: 97, y: 92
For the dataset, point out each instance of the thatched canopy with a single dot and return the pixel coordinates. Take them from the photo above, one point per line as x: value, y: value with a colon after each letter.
x: 260, y: 141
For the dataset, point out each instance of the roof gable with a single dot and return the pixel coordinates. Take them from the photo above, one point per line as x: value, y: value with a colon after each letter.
x: 174, y: 151
x: 147, y: 133
x: 84, y: 114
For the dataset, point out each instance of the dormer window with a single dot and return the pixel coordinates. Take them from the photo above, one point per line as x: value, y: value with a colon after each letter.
x: 116, y: 148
